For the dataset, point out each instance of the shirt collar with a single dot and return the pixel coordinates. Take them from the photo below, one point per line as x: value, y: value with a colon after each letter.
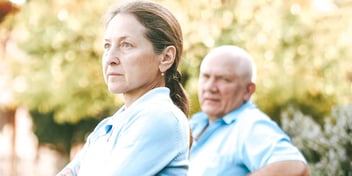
x: 150, y: 95
x: 162, y: 92
x: 233, y: 115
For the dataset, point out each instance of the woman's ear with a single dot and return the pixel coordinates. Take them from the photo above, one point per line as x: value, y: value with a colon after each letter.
x: 167, y: 58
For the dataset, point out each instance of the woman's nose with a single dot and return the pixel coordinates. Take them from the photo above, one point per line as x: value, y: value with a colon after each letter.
x: 112, y: 58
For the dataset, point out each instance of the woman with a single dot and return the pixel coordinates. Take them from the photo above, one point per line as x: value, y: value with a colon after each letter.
x: 150, y: 134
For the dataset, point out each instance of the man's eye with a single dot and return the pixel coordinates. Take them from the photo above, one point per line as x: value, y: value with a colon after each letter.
x: 205, y: 76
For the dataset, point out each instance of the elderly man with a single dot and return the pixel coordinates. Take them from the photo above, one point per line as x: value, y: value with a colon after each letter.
x: 231, y: 135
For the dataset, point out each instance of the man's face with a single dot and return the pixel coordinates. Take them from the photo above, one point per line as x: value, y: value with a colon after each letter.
x: 220, y: 88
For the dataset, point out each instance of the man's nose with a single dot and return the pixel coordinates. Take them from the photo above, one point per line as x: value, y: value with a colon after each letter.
x: 210, y: 85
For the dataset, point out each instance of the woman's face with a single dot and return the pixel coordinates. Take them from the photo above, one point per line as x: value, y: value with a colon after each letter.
x: 130, y: 65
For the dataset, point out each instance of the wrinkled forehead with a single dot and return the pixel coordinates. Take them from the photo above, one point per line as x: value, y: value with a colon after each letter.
x: 220, y: 59
x: 219, y: 64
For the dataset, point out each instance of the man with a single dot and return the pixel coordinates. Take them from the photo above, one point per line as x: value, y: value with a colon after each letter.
x: 232, y: 136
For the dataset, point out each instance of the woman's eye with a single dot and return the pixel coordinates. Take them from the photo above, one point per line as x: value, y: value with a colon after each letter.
x: 126, y: 45
x: 106, y: 45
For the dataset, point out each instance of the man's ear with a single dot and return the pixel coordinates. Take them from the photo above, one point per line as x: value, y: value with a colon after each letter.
x: 250, y: 90
x: 167, y: 58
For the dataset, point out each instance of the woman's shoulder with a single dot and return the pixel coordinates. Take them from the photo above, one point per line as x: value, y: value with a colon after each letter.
x: 162, y: 110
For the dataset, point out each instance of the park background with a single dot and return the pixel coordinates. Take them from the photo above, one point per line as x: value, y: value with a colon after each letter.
x: 52, y: 92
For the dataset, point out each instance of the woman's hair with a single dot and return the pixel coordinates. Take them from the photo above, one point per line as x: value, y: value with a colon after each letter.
x: 162, y: 30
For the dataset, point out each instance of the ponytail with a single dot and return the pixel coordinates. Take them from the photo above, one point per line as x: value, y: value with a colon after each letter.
x: 177, y: 92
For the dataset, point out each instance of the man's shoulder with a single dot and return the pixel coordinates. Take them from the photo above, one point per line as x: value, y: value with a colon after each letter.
x: 253, y: 115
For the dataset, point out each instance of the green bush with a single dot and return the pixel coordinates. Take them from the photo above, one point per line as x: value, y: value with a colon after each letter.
x: 327, y: 147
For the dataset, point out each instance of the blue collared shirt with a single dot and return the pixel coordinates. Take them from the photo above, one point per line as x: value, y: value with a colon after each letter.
x: 151, y: 137
x: 237, y: 144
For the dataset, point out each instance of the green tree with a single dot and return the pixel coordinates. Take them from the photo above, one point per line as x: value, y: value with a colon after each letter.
x: 301, y: 50
x: 63, y: 72
x: 59, y: 78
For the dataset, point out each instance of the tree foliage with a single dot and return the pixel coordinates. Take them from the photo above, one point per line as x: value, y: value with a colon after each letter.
x: 298, y: 48
x: 63, y: 73
x: 301, y: 49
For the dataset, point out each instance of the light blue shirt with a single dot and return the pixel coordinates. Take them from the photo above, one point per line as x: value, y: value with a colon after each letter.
x: 151, y: 137
x: 241, y: 142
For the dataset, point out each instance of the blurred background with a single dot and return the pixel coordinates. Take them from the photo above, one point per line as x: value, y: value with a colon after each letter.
x: 52, y: 92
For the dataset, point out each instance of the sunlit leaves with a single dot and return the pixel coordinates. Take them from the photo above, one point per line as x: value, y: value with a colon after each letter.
x: 64, y: 48
x: 301, y: 50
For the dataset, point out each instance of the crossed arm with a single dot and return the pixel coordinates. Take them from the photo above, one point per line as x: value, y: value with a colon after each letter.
x: 288, y: 168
